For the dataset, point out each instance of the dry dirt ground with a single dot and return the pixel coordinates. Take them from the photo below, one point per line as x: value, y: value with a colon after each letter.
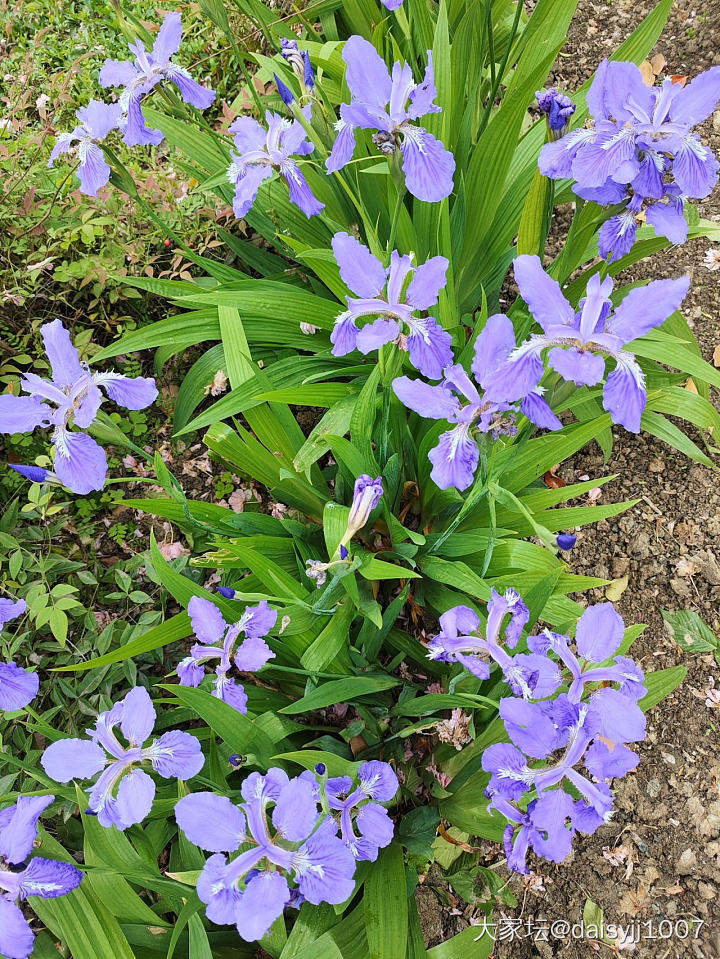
x: 658, y: 862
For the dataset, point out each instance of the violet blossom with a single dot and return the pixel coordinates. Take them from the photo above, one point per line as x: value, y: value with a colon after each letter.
x: 97, y: 120
x: 599, y: 634
x: 640, y: 150
x: 589, y: 724
x: 380, y: 102
x: 18, y: 686
x: 294, y: 844
x: 123, y: 794
x: 366, y: 495
x: 262, y: 152
x: 392, y: 295
x: 140, y: 76
x: 456, y: 456
x: 529, y: 675
x: 360, y: 807
x: 579, y: 343
x: 71, y: 396
x: 219, y: 641
x: 21, y: 877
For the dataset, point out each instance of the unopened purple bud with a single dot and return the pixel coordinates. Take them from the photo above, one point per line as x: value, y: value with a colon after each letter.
x: 556, y: 106
x: 299, y: 60
x: 90, y: 812
x: 309, y: 76
x: 36, y: 474
x: 320, y: 769
x: 286, y: 94
x: 227, y: 591
x: 344, y: 552
x: 566, y: 541
x: 366, y: 495
x: 236, y: 760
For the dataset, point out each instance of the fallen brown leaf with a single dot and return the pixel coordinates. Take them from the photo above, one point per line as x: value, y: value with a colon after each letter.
x: 357, y: 744
x: 617, y: 587
x: 658, y: 64
x: 553, y: 480
x: 635, y: 900
x: 686, y: 567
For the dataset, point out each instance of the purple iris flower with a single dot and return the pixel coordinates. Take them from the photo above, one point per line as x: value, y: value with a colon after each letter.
x: 385, y: 293
x: 144, y: 73
x: 366, y: 496
x: 73, y: 394
x: 547, y: 826
x: 455, y: 458
x: 599, y: 633
x: 380, y: 102
x: 641, y: 151
x: 586, y: 724
x: 18, y: 687
x: 299, y: 60
x: 529, y: 675
x: 360, y: 806
x: 211, y: 630
x: 295, y: 839
x: 617, y: 235
x: 123, y: 795
x: 634, y: 125
x: 558, y: 109
x: 261, y: 152
x: 96, y: 121
x: 579, y: 730
x: 47, y: 878
x: 580, y: 343
x: 392, y: 4
x: 539, y: 731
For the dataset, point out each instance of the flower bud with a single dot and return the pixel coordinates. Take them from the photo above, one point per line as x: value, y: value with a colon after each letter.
x: 566, y: 541
x: 557, y: 108
x: 366, y: 496
x: 299, y: 60
x: 36, y: 474
x: 286, y: 94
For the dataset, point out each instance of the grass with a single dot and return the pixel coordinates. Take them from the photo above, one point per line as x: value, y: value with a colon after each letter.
x: 65, y: 248
x: 79, y: 561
